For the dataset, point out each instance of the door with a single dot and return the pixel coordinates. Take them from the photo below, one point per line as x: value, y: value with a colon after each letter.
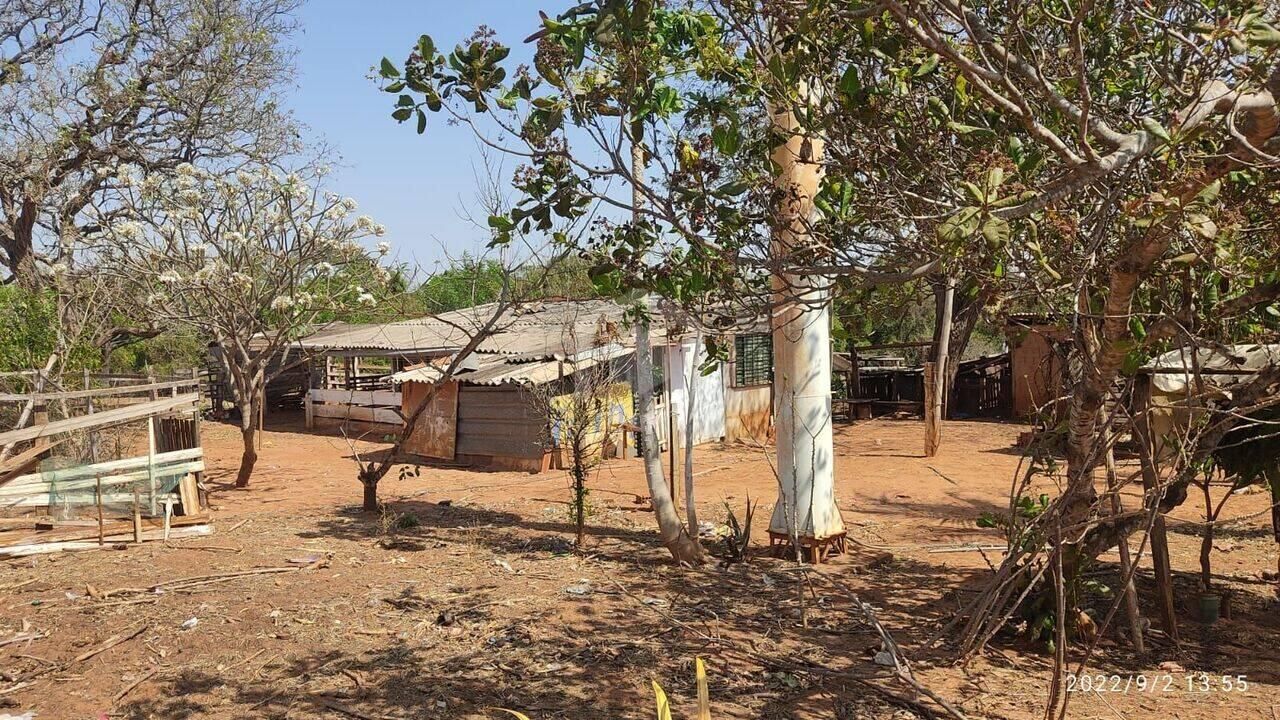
x: 435, y: 433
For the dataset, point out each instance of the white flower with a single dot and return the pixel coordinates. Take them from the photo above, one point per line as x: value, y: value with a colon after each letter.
x: 186, y: 169
x: 324, y: 268
x: 384, y: 248
x: 233, y: 238
x: 283, y: 302
x: 129, y: 230
x: 335, y: 213
x: 125, y: 176
x: 349, y: 204
x: 379, y: 230
x: 244, y: 178
x: 170, y: 277
x: 323, y: 170
x: 366, y: 299
x: 364, y: 222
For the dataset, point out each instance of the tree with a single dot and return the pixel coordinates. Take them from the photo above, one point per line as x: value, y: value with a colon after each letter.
x: 1110, y: 160
x: 579, y: 413
x: 250, y: 259
x: 88, y: 86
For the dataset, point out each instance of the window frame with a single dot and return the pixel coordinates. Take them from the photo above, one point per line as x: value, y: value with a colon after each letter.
x: 760, y: 376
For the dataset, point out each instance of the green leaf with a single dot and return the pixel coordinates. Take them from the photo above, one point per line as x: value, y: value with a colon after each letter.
x: 995, y: 178
x: 426, y: 48
x: 501, y: 223
x: 960, y: 226
x: 1150, y: 125
x: 996, y: 231
x: 1210, y: 192
x: 402, y: 114
x: 726, y: 139
x: 963, y: 129
x: 850, y: 84
x: 389, y: 69
x: 929, y: 65
x: 1261, y: 33
x: 1135, y: 327
x: 422, y: 122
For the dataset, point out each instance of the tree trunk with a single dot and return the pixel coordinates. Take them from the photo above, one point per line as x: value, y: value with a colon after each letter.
x: 22, y: 263
x: 250, y: 456
x: 683, y: 547
x: 941, y: 368
x: 691, y: 394
x: 579, y: 494
x: 370, y: 483
x: 806, y: 506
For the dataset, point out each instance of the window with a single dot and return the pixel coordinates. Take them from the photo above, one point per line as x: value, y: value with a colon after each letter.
x: 752, y: 359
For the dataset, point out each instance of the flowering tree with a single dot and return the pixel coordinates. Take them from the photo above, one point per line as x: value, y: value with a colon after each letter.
x: 251, y: 259
x: 89, y: 85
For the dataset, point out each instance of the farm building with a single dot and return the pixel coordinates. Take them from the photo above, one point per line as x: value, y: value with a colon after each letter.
x: 485, y: 415
x: 1037, y: 355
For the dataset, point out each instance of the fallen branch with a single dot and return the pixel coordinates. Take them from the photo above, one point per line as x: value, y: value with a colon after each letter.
x: 130, y: 687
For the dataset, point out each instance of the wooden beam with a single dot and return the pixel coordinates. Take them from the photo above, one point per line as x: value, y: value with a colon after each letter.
x: 109, y: 417
x: 150, y: 388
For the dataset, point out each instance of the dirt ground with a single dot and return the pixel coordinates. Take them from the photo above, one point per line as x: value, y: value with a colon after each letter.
x: 482, y: 603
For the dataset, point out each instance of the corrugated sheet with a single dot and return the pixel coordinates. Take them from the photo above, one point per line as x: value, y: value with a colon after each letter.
x: 492, y: 369
x: 542, y: 330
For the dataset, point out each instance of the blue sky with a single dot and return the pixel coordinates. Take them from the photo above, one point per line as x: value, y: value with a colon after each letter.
x: 415, y: 185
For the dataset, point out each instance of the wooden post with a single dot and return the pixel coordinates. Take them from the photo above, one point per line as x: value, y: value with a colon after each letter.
x: 151, y: 462
x: 137, y: 519
x: 932, y: 433
x: 1148, y: 454
x: 93, y: 434
x: 936, y: 373
x: 1126, y: 560
x: 98, y: 497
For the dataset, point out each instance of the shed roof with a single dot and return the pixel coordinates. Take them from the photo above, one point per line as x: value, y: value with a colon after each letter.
x: 542, y: 330
x: 1231, y: 365
x: 496, y: 369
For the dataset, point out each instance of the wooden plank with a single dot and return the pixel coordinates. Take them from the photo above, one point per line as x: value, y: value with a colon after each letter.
x: 110, y: 466
x: 10, y: 468
x: 52, y: 547
x: 361, y: 414
x: 163, y: 471
x: 366, y: 398
x: 109, y: 417
x: 97, y: 392
x: 43, y: 501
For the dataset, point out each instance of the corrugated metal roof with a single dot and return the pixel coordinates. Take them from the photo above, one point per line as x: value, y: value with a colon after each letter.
x: 496, y: 369
x: 541, y: 330
x: 1174, y: 370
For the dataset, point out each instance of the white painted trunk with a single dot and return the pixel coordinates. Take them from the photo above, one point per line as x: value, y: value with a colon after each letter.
x: 806, y: 506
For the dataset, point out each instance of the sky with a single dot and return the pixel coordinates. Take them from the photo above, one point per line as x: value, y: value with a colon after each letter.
x: 418, y: 186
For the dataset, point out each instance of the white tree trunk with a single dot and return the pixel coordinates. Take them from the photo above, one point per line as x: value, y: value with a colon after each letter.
x: 683, y: 546
x: 806, y: 508
x: 691, y: 394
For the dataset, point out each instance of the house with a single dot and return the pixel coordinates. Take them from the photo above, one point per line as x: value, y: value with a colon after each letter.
x: 487, y: 414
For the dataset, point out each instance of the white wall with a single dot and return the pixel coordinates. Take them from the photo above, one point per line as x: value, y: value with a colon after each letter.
x: 683, y: 362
